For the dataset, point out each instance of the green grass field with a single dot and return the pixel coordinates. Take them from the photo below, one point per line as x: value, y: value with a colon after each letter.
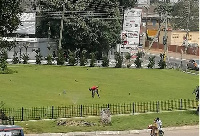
x: 42, y: 85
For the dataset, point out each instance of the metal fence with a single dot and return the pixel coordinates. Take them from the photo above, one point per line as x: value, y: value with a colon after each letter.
x: 54, y: 112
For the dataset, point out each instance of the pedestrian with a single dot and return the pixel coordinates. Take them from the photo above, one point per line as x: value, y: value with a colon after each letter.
x: 94, y: 89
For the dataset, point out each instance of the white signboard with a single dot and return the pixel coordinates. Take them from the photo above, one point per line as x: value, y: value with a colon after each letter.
x: 131, y: 26
x: 27, y: 24
x: 5, y: 134
x: 143, y: 2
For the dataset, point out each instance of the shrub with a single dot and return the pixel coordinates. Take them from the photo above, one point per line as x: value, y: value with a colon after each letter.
x: 83, y: 58
x: 93, y: 59
x: 151, y: 62
x: 118, y: 59
x: 61, y: 58
x: 15, y: 59
x: 49, y: 59
x: 38, y: 58
x: 162, y: 63
x: 105, y: 62
x: 72, y: 58
x: 25, y: 58
x: 138, y: 61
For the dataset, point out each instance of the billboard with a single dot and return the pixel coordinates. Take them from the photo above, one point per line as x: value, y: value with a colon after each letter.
x: 27, y: 24
x: 131, y: 26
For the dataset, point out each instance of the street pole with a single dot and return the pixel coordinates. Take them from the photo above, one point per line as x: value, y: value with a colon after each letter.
x: 187, y: 34
x: 61, y: 27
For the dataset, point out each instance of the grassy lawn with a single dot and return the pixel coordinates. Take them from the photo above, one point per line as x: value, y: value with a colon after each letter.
x: 42, y: 85
x: 130, y: 122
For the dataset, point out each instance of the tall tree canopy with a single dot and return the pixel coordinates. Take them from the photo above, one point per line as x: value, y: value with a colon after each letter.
x: 94, y: 25
x: 9, y: 19
x: 186, y: 15
x: 9, y: 16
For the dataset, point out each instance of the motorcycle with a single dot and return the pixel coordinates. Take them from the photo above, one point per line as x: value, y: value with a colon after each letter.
x: 160, y: 132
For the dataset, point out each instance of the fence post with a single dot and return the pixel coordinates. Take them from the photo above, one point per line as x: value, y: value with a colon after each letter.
x: 22, y: 114
x: 157, y: 106
x: 133, y: 108
x: 180, y: 104
x: 81, y: 110
x: 52, y: 108
x: 13, y: 119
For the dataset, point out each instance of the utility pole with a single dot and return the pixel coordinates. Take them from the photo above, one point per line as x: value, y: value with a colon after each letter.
x: 188, y: 19
x: 61, y: 27
x: 165, y: 36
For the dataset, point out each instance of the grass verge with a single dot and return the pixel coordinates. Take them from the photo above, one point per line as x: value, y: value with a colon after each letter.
x: 119, y: 123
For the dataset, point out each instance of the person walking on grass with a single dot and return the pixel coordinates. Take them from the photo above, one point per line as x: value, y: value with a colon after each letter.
x: 94, y: 89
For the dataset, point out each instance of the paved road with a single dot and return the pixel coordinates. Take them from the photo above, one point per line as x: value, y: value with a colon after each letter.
x: 186, y: 132
x: 173, y: 131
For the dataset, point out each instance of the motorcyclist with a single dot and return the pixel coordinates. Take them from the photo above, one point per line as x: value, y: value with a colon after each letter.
x: 159, y: 124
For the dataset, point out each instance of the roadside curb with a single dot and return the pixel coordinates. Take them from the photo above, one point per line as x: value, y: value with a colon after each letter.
x: 112, y: 132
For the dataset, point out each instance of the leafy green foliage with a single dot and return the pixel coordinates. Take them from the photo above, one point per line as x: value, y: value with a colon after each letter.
x: 138, y: 61
x: 38, y: 56
x: 162, y: 62
x: 49, y: 59
x: 72, y: 58
x: 93, y: 59
x: 90, y: 32
x: 128, y: 56
x: 25, y: 58
x: 9, y: 16
x: 119, y: 60
x: 61, y: 58
x: 105, y: 62
x: 151, y: 62
x: 83, y: 58
x: 186, y: 14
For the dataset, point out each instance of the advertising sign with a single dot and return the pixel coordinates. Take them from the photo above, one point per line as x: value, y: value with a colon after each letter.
x: 131, y: 26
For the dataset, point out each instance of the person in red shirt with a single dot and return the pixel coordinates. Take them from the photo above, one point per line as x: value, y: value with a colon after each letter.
x: 94, y: 90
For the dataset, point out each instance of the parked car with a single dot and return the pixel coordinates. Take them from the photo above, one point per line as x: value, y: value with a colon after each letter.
x: 193, y: 64
x: 11, y: 130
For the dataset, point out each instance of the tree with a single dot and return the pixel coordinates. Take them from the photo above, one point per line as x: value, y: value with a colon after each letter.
x: 9, y: 20
x: 185, y: 15
x: 9, y: 16
x: 89, y: 27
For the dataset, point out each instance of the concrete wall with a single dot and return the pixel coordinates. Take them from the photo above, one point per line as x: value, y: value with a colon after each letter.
x: 175, y: 48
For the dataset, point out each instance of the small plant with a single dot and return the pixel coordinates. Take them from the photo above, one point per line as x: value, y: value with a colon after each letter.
x: 118, y: 59
x: 151, y: 62
x: 15, y: 59
x: 38, y: 58
x: 162, y: 62
x: 105, y: 62
x: 138, y: 61
x: 128, y: 57
x: 93, y: 59
x: 83, y: 59
x: 25, y: 58
x: 61, y: 58
x: 49, y: 59
x: 72, y: 58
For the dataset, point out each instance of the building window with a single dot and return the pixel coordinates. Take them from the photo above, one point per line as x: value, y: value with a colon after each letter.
x: 175, y: 36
